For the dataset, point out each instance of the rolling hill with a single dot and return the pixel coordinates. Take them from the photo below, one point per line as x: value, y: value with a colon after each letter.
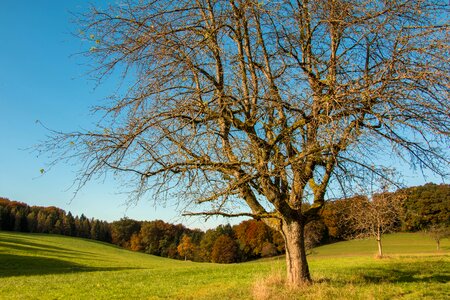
x: 39, y: 266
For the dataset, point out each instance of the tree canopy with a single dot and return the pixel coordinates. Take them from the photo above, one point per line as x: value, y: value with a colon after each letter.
x: 257, y: 108
x: 426, y: 206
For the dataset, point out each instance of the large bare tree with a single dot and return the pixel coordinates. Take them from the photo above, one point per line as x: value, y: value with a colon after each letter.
x: 261, y: 108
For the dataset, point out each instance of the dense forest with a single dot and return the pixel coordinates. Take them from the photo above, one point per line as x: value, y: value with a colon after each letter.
x: 18, y: 216
x: 422, y: 207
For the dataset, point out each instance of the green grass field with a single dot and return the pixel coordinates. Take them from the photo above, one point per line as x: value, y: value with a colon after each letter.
x: 38, y: 266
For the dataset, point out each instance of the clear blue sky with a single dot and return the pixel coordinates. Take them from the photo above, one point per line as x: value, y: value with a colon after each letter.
x: 41, y: 79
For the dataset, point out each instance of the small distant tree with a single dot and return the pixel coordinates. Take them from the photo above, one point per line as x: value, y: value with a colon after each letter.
x: 186, y: 248
x: 375, y: 216
x: 438, y: 232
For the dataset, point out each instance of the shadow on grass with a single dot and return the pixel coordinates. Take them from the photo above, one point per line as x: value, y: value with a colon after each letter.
x: 35, y: 250
x: 26, y: 244
x: 18, y: 265
x: 431, y: 272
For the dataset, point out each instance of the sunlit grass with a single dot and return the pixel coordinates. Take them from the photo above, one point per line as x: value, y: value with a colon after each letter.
x: 35, y: 266
x: 393, y: 244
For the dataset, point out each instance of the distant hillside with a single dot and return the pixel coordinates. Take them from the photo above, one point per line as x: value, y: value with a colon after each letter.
x: 424, y: 206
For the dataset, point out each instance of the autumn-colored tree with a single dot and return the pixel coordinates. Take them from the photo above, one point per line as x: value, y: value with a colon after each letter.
x: 252, y: 235
x: 161, y: 238
x: 122, y: 231
x: 225, y: 250
x: 186, y: 248
x: 172, y: 251
x: 136, y: 242
x: 335, y: 217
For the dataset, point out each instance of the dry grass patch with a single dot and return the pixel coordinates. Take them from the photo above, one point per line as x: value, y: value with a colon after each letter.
x: 274, y: 286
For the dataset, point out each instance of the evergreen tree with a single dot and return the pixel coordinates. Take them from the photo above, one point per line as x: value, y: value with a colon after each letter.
x: 32, y: 222
x: 69, y: 225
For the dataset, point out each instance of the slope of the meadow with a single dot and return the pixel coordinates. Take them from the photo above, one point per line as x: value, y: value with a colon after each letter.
x: 37, y: 266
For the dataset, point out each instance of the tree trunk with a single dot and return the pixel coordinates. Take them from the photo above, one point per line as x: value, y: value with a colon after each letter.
x: 380, y: 247
x: 296, y: 263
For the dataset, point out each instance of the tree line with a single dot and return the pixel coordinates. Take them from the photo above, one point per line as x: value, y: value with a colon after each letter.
x: 421, y: 208
x: 224, y: 244
x: 20, y: 217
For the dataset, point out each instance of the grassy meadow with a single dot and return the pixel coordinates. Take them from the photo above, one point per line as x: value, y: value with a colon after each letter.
x: 38, y: 266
